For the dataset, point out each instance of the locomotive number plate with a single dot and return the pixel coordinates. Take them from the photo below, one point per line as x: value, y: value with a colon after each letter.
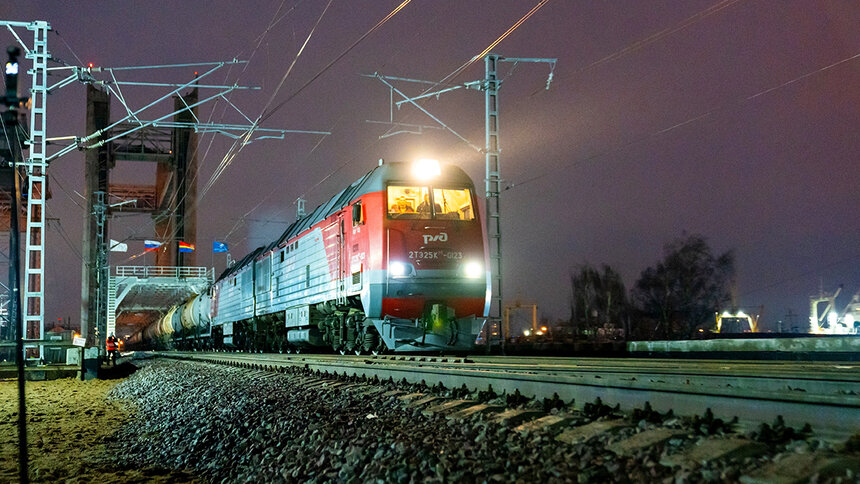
x: 435, y: 254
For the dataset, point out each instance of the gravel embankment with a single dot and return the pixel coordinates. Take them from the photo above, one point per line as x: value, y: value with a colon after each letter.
x: 230, y: 425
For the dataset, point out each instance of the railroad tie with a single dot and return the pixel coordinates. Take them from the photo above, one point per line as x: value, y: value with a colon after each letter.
x: 369, y: 392
x: 481, y: 408
x: 644, y: 440
x: 542, y: 423
x: 421, y: 402
x: 588, y: 431
x: 410, y: 396
x: 799, y: 468
x: 515, y: 416
x: 447, y: 407
x: 712, y: 449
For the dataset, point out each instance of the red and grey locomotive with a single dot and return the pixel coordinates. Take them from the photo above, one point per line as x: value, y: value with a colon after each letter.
x: 396, y: 261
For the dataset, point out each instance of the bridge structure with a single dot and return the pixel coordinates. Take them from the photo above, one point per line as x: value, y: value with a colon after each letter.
x: 146, y: 291
x: 152, y: 289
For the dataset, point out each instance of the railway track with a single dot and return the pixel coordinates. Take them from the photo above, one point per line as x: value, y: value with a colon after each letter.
x: 823, y: 395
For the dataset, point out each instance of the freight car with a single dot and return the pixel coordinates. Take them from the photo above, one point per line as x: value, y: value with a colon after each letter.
x: 396, y: 262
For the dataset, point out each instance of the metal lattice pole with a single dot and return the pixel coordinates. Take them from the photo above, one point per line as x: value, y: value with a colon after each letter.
x: 493, y: 186
x: 100, y: 213
x: 34, y: 280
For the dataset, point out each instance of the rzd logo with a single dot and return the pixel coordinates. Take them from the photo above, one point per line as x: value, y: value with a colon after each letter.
x: 442, y: 237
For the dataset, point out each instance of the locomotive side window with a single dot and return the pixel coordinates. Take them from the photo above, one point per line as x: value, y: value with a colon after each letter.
x: 357, y: 214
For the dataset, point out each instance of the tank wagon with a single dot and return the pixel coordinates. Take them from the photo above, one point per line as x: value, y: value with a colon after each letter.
x: 396, y: 261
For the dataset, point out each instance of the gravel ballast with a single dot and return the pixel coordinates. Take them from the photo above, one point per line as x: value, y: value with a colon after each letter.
x: 227, y: 424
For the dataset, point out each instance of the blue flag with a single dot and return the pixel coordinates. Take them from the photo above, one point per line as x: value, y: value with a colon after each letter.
x: 218, y: 247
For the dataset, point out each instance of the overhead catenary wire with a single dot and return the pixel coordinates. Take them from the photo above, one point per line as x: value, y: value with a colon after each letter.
x: 219, y: 170
x: 64, y: 235
x: 656, y: 36
x: 691, y: 120
x: 453, y: 75
x: 241, y: 142
x: 336, y: 59
x: 448, y: 79
x: 707, y: 12
x: 173, y: 200
x: 241, y: 220
x: 267, y: 114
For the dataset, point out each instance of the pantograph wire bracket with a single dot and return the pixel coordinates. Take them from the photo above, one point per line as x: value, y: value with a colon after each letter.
x: 385, y: 80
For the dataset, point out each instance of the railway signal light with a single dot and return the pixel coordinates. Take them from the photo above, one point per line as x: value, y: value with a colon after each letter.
x: 11, y: 99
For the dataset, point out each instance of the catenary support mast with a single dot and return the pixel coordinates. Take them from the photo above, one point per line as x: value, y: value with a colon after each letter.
x: 493, y: 186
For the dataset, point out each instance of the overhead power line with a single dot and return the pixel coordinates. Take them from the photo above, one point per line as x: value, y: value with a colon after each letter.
x: 242, y: 141
x: 338, y: 58
x: 691, y: 120
x: 267, y: 114
x: 662, y: 34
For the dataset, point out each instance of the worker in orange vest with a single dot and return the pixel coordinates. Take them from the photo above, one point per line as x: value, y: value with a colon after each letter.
x: 112, y: 348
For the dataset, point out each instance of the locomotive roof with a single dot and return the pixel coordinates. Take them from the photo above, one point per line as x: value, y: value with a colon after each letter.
x: 373, y: 181
x: 240, y: 263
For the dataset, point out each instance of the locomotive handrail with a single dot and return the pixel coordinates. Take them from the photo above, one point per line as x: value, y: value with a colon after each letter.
x: 165, y: 271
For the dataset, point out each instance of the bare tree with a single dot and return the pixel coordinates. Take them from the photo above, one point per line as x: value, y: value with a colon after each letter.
x: 599, y: 299
x: 681, y: 294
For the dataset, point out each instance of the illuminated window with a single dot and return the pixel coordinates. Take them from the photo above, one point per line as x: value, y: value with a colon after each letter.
x: 403, y: 201
x: 453, y: 203
x: 417, y: 202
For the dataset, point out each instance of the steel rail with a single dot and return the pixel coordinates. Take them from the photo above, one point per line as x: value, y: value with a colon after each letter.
x: 755, y: 392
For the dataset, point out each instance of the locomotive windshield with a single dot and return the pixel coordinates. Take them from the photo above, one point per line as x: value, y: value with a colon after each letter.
x: 422, y: 202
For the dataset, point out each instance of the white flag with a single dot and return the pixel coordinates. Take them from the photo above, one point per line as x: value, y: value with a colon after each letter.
x: 118, y: 246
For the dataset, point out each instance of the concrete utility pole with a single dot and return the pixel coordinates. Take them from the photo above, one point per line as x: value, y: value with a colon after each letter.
x: 97, y: 167
x: 491, y: 150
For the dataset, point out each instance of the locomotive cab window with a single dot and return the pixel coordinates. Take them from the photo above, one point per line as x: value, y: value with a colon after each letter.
x: 453, y: 203
x: 357, y: 214
x: 416, y: 202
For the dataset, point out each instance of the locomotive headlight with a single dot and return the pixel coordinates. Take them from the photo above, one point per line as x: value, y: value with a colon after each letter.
x: 397, y: 269
x: 473, y: 269
x: 425, y: 168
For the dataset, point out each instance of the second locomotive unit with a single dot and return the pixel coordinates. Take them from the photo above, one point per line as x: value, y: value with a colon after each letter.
x: 396, y: 261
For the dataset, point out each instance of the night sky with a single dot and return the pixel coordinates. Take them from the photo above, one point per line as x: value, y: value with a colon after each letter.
x: 667, y: 118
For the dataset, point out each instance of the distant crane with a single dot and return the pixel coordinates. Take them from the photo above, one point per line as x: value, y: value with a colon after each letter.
x: 831, y: 321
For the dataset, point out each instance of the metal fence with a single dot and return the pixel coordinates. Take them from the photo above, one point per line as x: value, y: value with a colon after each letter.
x: 160, y: 271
